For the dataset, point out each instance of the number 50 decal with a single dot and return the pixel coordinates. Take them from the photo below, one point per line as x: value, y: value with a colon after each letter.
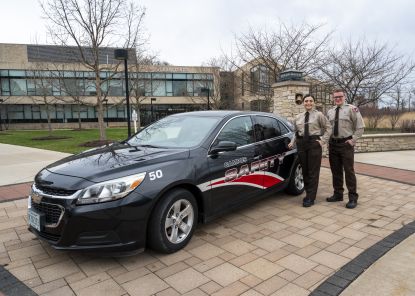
x: 156, y: 175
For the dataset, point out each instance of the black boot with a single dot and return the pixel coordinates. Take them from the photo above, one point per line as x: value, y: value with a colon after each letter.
x: 351, y: 204
x: 334, y: 198
x: 308, y: 202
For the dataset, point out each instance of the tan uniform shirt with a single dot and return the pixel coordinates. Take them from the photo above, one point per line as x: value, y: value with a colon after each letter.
x: 350, y: 122
x: 318, y: 125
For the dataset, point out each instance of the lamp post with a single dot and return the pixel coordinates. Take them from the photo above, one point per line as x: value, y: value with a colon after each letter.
x: 106, y: 108
x: 122, y: 54
x: 206, y: 89
x: 151, y: 108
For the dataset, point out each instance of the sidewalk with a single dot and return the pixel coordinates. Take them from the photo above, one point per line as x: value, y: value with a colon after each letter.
x: 274, y: 247
x: 20, y: 164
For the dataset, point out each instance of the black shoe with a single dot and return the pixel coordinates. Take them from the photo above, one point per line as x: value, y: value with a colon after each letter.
x: 334, y: 198
x: 307, y: 202
x: 351, y: 204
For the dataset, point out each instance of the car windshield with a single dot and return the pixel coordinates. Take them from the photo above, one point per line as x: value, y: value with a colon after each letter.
x: 175, y: 132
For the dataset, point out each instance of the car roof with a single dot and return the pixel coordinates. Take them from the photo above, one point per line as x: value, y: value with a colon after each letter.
x: 224, y: 113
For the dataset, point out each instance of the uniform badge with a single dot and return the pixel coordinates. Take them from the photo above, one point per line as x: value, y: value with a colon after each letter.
x: 355, y: 109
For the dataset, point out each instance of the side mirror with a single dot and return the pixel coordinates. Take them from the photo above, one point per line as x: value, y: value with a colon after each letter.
x: 223, y: 146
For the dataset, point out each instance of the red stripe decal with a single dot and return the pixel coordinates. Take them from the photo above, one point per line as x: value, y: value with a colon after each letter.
x: 270, y: 181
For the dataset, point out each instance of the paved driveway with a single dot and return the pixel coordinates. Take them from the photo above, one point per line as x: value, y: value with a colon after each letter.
x: 274, y: 247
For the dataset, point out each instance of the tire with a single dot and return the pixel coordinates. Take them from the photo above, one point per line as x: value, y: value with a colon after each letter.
x: 296, y: 183
x: 167, y: 231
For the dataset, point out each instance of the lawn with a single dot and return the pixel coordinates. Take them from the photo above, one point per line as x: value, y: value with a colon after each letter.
x: 69, y: 145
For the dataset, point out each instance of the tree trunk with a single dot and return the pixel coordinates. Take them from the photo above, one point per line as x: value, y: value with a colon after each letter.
x: 100, y: 107
x: 49, y: 120
x: 79, y: 117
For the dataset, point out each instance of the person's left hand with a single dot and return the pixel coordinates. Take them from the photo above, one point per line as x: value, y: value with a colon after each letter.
x: 321, y: 143
x: 350, y: 142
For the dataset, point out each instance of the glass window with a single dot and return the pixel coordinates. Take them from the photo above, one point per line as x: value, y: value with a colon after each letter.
x: 238, y: 130
x: 90, y: 88
x: 68, y: 111
x: 27, y: 111
x: 169, y: 75
x: 179, y: 76
x: 176, y: 131
x: 190, y: 87
x: 5, y: 87
x: 115, y: 88
x: 158, y: 88
x: 284, y: 130
x: 17, y: 73
x: 266, y: 128
x: 16, y: 112
x: 18, y: 87
x: 189, y: 76
x: 179, y: 88
x: 31, y: 87
x: 36, y: 111
x: 158, y: 75
x: 4, y: 73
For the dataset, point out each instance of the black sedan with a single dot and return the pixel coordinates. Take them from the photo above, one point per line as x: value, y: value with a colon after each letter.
x: 152, y: 189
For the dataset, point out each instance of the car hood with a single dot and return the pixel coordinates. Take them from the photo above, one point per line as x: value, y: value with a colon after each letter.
x: 114, y: 161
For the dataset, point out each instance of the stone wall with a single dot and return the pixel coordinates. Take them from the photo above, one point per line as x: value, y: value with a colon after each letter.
x: 284, y: 97
x: 385, y: 142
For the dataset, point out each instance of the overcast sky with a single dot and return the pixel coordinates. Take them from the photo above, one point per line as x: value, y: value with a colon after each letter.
x: 189, y: 32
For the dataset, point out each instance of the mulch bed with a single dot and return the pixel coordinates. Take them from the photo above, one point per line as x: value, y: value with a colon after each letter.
x: 96, y: 143
x: 50, y: 138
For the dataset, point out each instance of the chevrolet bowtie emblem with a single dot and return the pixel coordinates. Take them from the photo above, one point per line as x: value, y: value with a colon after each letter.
x: 36, y: 198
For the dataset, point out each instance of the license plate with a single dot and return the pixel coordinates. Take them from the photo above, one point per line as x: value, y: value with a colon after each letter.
x: 34, y: 219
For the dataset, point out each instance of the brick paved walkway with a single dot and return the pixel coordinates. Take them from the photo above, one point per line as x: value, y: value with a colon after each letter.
x: 274, y: 247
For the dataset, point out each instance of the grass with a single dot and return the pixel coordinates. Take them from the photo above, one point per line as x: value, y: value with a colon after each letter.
x: 69, y: 145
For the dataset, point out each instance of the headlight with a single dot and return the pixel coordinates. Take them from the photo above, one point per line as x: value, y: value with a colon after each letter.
x: 110, y: 190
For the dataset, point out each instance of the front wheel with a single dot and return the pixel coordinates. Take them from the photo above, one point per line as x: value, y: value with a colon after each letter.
x: 173, y: 221
x: 296, y: 183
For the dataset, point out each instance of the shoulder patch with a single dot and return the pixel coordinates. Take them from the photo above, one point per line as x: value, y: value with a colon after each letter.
x: 355, y: 109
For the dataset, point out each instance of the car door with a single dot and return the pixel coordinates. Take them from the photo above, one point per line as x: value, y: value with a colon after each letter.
x: 272, y: 143
x: 233, y: 178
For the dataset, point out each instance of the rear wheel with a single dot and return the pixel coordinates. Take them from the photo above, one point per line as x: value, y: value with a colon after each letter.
x: 173, y: 222
x: 296, y: 183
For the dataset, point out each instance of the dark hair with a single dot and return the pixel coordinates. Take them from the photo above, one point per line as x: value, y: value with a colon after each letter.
x: 308, y: 95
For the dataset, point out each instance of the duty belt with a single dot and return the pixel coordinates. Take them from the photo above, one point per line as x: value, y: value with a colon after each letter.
x: 340, y: 140
x: 314, y: 137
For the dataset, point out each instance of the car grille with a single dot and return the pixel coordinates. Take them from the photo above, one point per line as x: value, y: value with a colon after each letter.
x: 54, y: 191
x: 49, y: 236
x: 52, y: 212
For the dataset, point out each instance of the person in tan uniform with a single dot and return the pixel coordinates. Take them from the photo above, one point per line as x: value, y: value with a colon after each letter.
x: 312, y: 131
x: 348, y: 127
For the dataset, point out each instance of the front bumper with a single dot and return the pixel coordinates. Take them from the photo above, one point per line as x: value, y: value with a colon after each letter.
x: 118, y: 225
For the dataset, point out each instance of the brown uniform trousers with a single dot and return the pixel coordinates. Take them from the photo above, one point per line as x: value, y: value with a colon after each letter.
x: 341, y: 156
x: 310, y: 153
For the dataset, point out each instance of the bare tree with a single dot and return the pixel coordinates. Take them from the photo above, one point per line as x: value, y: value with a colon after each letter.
x: 366, y: 71
x: 396, y: 104
x: 373, y: 114
x: 42, y: 86
x: 3, y: 99
x: 260, y: 55
x: 93, y: 25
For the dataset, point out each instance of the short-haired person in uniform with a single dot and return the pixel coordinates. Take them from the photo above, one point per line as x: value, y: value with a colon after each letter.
x: 348, y: 126
x: 312, y: 131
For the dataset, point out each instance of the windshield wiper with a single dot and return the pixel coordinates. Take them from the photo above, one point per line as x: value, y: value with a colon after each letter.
x: 148, y: 146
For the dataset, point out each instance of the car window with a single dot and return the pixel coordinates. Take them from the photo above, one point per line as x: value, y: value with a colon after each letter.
x: 284, y: 130
x: 238, y: 130
x: 266, y: 128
